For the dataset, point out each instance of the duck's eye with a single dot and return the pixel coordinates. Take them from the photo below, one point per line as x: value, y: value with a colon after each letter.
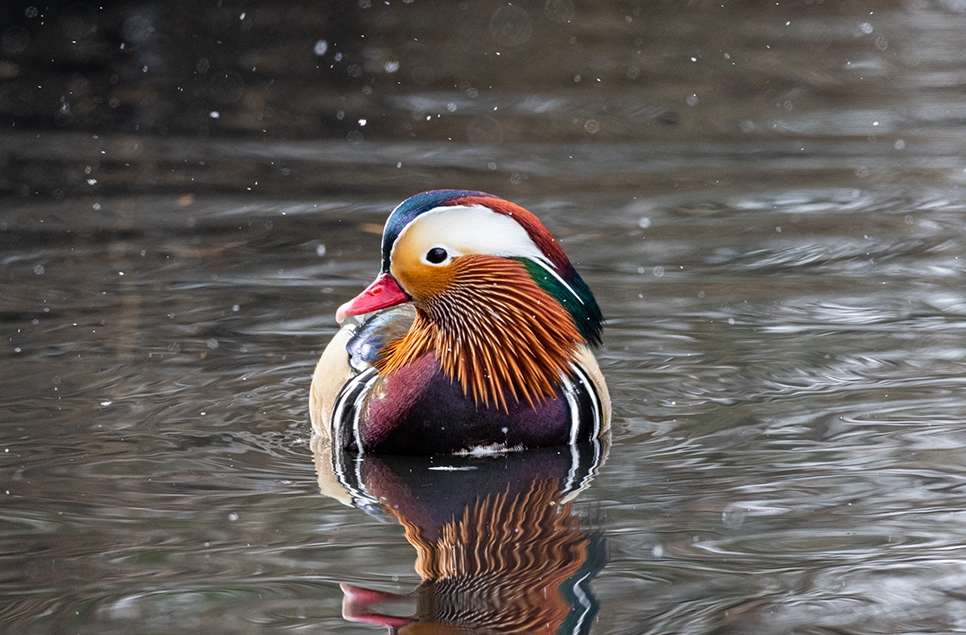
x: 436, y: 255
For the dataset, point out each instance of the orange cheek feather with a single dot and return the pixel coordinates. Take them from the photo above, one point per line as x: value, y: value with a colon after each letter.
x: 422, y: 281
x: 492, y: 338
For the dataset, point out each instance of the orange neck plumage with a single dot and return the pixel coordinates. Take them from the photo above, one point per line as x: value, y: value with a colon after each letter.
x: 494, y: 331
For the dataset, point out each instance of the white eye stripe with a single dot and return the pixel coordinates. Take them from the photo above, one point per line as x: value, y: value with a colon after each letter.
x: 467, y: 229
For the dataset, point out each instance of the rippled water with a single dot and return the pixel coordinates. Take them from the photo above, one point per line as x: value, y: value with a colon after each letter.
x: 784, y: 293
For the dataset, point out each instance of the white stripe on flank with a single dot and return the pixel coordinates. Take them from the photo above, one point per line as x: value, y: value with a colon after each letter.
x: 364, y: 378
x: 569, y: 391
x: 592, y: 393
x: 358, y: 411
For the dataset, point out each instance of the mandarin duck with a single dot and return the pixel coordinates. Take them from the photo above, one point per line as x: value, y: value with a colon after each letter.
x: 474, y: 337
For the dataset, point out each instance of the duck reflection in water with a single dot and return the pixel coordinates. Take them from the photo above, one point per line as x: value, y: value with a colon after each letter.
x: 499, y: 545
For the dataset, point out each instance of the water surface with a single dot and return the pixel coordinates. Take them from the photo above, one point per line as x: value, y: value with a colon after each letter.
x: 781, y: 264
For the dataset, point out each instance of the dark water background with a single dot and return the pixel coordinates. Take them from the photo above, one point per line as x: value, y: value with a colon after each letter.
x: 766, y: 198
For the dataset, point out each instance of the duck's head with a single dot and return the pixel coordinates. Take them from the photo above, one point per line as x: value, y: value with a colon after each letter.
x: 483, y: 274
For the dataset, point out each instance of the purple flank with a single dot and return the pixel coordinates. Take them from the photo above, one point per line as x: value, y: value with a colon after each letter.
x: 420, y: 411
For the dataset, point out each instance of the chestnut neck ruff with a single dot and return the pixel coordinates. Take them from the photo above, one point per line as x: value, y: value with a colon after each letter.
x: 494, y: 331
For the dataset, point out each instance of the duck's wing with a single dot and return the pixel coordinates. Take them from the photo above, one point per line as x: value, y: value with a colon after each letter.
x: 352, y: 351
